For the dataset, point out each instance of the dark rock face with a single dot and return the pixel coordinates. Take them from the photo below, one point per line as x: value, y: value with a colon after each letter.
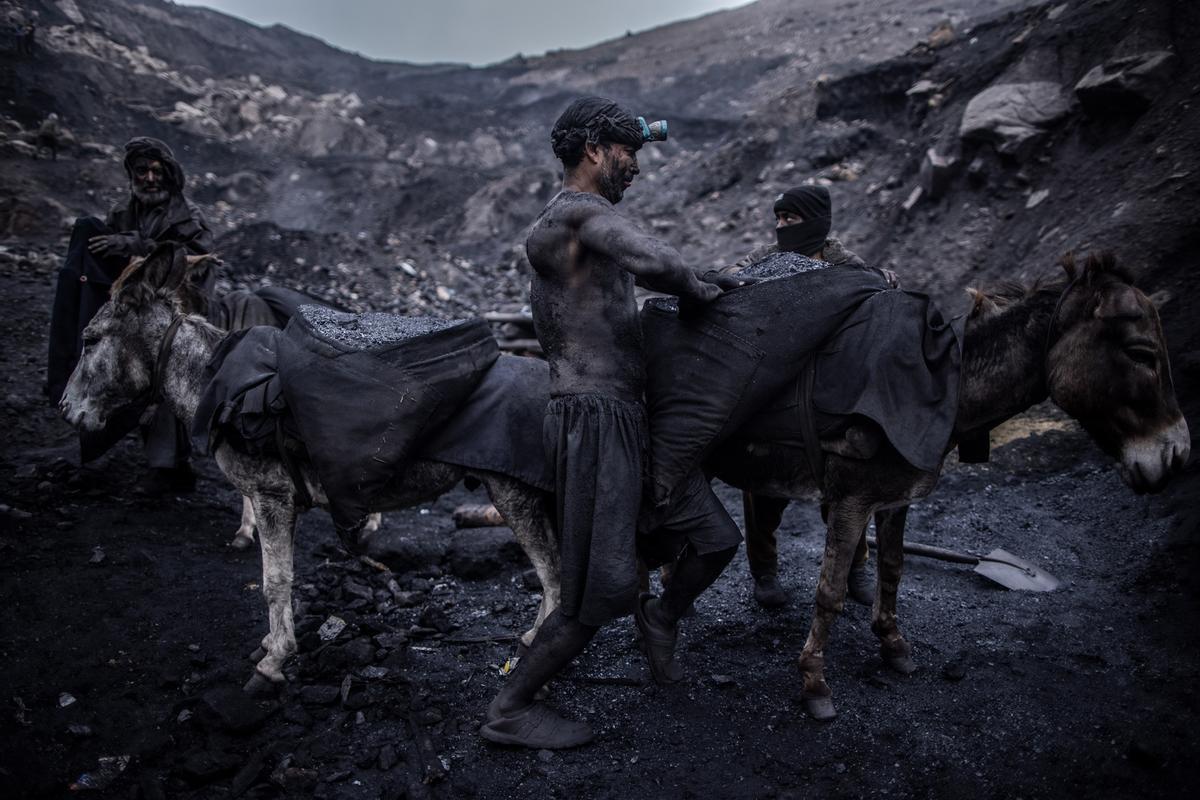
x: 404, y: 551
x: 1126, y: 85
x: 478, y: 553
x: 232, y: 710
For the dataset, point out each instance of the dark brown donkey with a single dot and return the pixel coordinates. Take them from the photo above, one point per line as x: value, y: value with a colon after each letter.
x: 1094, y: 345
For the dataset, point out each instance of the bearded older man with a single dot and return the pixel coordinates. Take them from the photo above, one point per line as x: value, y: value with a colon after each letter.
x: 155, y: 212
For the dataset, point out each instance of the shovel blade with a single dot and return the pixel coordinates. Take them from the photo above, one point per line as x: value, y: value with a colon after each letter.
x: 1014, y: 572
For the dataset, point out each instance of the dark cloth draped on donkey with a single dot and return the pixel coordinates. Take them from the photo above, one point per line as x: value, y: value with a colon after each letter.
x: 881, y: 353
x: 358, y: 392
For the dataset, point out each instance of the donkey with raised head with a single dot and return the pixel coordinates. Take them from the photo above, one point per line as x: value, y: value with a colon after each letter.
x: 1094, y: 345
x: 148, y: 340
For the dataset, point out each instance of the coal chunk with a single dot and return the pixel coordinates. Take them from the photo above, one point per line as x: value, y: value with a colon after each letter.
x: 230, y: 709
x: 319, y: 695
x: 370, y: 329
x: 477, y: 553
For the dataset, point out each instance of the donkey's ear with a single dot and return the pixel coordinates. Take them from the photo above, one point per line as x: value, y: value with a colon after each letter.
x: 166, y: 266
x: 1067, y: 262
x: 200, y: 277
x: 1161, y: 298
x: 981, y: 305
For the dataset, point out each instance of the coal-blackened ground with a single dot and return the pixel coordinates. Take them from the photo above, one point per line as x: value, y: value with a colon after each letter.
x: 127, y: 624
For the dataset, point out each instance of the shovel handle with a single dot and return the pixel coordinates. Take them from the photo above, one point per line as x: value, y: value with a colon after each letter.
x: 928, y: 550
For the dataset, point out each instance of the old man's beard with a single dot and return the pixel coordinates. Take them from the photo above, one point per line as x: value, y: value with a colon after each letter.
x: 612, y: 182
x: 150, y: 197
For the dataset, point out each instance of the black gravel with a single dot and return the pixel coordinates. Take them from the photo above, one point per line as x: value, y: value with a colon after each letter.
x: 782, y: 265
x: 370, y: 329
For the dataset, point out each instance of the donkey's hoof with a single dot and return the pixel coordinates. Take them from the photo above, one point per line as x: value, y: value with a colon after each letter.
x: 260, y: 684
x: 819, y: 707
x: 902, y: 664
x: 241, y: 542
x: 258, y: 655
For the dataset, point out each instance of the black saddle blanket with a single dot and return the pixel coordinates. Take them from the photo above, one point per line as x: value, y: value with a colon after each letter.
x: 882, y: 353
x: 360, y: 391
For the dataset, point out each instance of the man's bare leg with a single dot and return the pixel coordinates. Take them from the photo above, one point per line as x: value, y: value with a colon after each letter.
x: 514, y: 717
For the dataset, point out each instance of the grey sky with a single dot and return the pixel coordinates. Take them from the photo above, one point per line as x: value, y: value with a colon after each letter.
x: 471, y: 31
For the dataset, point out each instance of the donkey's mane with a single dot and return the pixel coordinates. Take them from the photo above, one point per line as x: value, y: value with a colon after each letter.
x: 1007, y: 295
x: 135, y: 264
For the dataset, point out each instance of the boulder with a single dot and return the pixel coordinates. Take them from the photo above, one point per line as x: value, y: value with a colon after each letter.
x: 97, y: 150
x: 329, y: 134
x: 231, y: 710
x: 483, y: 552
x: 33, y: 216
x: 1126, y: 85
x: 405, y: 551
x: 1014, y: 116
x: 936, y: 173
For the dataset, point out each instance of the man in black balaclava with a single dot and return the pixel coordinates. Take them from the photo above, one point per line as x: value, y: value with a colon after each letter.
x: 156, y: 211
x: 803, y: 219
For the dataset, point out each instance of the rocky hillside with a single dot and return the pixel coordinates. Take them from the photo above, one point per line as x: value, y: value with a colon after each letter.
x: 965, y: 142
x: 333, y: 171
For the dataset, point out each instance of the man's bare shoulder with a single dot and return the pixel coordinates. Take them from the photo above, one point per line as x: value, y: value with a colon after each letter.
x: 572, y: 209
x: 554, y: 236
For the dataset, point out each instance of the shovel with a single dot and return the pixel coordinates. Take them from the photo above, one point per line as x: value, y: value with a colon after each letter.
x: 1011, y: 572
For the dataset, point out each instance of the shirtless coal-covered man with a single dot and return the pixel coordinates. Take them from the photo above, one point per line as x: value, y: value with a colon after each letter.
x: 586, y: 259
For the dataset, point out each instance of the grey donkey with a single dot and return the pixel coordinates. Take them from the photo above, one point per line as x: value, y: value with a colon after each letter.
x: 148, y: 339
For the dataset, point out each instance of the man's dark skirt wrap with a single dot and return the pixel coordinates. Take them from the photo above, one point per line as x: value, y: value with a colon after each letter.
x: 597, y: 448
x: 695, y: 517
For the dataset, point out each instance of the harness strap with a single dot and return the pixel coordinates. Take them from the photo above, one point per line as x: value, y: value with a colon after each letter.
x: 1054, y: 318
x: 164, y: 355
x: 808, y: 422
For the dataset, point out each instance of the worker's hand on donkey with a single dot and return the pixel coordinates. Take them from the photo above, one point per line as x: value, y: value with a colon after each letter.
x: 727, y: 280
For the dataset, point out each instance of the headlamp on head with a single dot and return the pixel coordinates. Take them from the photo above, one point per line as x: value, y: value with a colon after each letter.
x: 653, y: 131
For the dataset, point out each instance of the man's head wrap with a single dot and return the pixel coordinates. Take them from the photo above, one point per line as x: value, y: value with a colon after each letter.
x: 814, y: 207
x: 154, y: 149
x: 596, y: 120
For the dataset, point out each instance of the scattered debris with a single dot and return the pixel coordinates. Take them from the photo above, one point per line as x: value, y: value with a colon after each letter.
x: 108, y: 768
x: 331, y: 628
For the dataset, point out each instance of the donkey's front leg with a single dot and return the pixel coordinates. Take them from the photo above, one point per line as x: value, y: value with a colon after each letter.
x: 245, y: 533
x: 276, y: 515
x: 846, y: 520
x: 889, y: 532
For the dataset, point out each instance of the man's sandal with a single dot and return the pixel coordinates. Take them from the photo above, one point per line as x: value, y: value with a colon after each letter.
x: 537, y: 727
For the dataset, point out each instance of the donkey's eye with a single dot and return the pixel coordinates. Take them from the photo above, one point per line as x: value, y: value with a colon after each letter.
x: 1142, y: 354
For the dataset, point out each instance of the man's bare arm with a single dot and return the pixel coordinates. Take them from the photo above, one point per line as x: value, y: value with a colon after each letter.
x: 652, y: 261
